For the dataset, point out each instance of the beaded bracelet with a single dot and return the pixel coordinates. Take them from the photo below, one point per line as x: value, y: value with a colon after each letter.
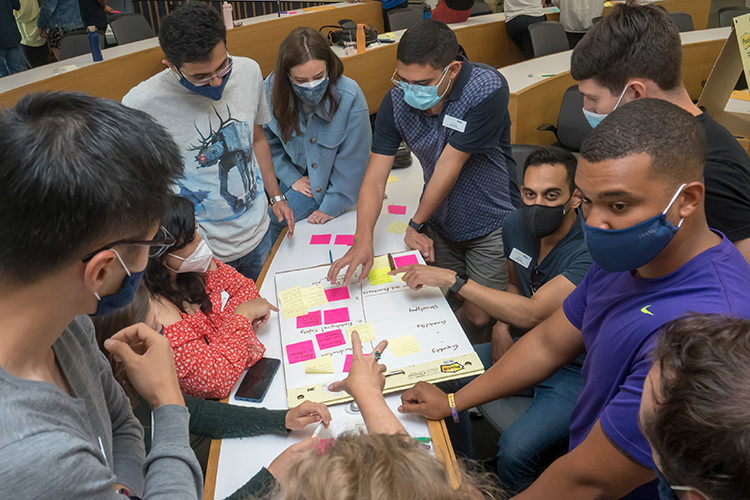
x: 454, y: 410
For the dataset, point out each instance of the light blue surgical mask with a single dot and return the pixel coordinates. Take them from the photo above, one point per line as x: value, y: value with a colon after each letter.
x: 595, y: 119
x: 620, y: 250
x: 213, y: 93
x: 422, y: 97
x: 111, y: 303
x: 310, y: 92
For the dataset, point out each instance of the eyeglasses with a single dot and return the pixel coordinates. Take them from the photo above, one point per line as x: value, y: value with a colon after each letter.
x: 207, y: 81
x: 690, y: 488
x: 416, y: 88
x: 160, y: 244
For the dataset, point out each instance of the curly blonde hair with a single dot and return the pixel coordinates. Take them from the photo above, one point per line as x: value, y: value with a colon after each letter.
x: 378, y: 467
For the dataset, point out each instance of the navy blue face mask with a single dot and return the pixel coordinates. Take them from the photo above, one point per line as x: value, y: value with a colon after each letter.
x: 311, y: 92
x: 109, y: 304
x: 213, y: 93
x: 620, y: 250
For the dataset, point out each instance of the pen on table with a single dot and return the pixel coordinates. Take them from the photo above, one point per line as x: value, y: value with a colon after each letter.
x: 395, y: 372
x: 330, y: 256
x: 391, y: 262
x: 318, y: 429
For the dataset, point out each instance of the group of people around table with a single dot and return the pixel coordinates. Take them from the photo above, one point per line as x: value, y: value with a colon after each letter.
x: 614, y: 295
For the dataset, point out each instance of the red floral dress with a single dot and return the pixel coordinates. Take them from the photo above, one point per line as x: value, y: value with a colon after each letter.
x: 212, y: 350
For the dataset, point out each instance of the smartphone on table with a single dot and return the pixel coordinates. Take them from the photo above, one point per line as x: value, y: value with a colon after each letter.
x: 255, y: 384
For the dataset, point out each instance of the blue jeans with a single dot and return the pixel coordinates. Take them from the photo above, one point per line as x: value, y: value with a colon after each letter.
x: 252, y: 263
x: 301, y: 205
x: 11, y: 61
x: 539, y: 436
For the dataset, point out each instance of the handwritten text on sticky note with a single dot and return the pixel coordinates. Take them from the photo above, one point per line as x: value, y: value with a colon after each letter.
x: 309, y: 320
x: 403, y: 346
x: 323, y: 364
x: 301, y: 351
x: 326, y: 340
x: 365, y: 330
x: 380, y: 276
x: 340, y: 315
x: 291, y: 302
x: 313, y: 296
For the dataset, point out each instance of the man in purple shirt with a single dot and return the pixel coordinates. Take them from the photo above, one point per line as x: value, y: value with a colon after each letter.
x: 641, y: 179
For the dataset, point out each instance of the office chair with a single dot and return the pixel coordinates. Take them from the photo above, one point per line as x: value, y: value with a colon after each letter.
x: 548, y: 37
x: 130, y: 28
x: 726, y: 14
x: 402, y: 19
x: 572, y: 126
x: 77, y: 44
x: 683, y: 21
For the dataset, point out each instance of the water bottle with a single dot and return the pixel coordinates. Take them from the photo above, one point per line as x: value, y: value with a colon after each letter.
x: 96, y: 51
x: 227, y: 10
x: 361, y: 43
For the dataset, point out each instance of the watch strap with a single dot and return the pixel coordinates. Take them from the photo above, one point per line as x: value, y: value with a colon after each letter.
x: 461, y: 279
x: 417, y: 227
x: 277, y: 199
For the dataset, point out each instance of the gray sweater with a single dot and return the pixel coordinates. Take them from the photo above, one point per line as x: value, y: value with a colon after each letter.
x: 55, y: 446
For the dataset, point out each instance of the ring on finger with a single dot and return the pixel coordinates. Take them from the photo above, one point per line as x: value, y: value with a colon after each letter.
x: 377, y: 355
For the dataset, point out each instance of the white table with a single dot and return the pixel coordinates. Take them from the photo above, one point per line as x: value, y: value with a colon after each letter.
x: 241, y: 458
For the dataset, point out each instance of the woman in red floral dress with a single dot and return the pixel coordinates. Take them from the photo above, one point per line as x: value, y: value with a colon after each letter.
x: 209, y: 310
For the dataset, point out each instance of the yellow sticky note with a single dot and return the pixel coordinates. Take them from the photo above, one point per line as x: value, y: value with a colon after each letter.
x: 314, y: 296
x: 323, y: 364
x: 393, y: 178
x: 403, y: 346
x: 292, y: 303
x: 380, y: 276
x: 397, y: 227
x: 366, y: 332
x: 381, y: 261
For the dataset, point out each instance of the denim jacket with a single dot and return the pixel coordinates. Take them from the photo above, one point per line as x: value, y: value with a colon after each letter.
x: 63, y: 14
x: 334, y: 150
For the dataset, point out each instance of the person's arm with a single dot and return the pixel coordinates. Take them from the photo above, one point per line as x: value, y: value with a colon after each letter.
x: 533, y: 359
x: 384, y: 147
x: 263, y: 154
x: 512, y: 308
x: 593, y: 470
x: 350, y: 162
x: 226, y: 278
x: 365, y: 383
x: 285, y: 170
x: 45, y: 11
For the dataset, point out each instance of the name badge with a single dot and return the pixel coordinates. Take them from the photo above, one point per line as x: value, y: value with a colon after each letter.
x: 520, y: 258
x: 224, y: 299
x: 454, y: 123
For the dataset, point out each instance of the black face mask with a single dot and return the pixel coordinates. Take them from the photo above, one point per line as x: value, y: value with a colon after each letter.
x: 541, y: 220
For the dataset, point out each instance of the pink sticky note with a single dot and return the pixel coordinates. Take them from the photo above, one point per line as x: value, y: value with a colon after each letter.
x: 344, y: 239
x: 348, y: 362
x: 320, y: 239
x: 405, y: 260
x: 326, y: 340
x: 309, y: 319
x: 340, y: 293
x: 301, y: 351
x: 340, y: 315
x: 397, y: 209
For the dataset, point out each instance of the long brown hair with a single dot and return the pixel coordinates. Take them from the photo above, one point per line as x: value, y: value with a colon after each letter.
x: 302, y: 45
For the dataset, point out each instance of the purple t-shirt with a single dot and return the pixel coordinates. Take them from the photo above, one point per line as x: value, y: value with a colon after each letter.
x: 619, y: 316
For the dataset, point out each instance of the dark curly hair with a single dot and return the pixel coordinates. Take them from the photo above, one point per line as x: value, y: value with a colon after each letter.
x: 191, y: 32
x: 188, y: 288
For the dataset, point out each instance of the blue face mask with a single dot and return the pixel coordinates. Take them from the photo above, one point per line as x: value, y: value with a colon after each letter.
x: 422, y: 97
x: 620, y: 250
x: 213, y: 93
x: 109, y: 304
x: 595, y: 119
x: 311, y: 92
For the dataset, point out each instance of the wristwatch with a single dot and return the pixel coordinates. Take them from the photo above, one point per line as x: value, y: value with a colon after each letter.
x: 461, y: 279
x: 277, y: 199
x: 420, y: 228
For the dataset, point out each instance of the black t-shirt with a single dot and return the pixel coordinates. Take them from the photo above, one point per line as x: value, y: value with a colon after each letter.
x: 727, y: 178
x: 92, y: 14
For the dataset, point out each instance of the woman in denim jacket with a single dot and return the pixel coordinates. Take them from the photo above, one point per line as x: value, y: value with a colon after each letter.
x: 319, y: 133
x: 56, y: 18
